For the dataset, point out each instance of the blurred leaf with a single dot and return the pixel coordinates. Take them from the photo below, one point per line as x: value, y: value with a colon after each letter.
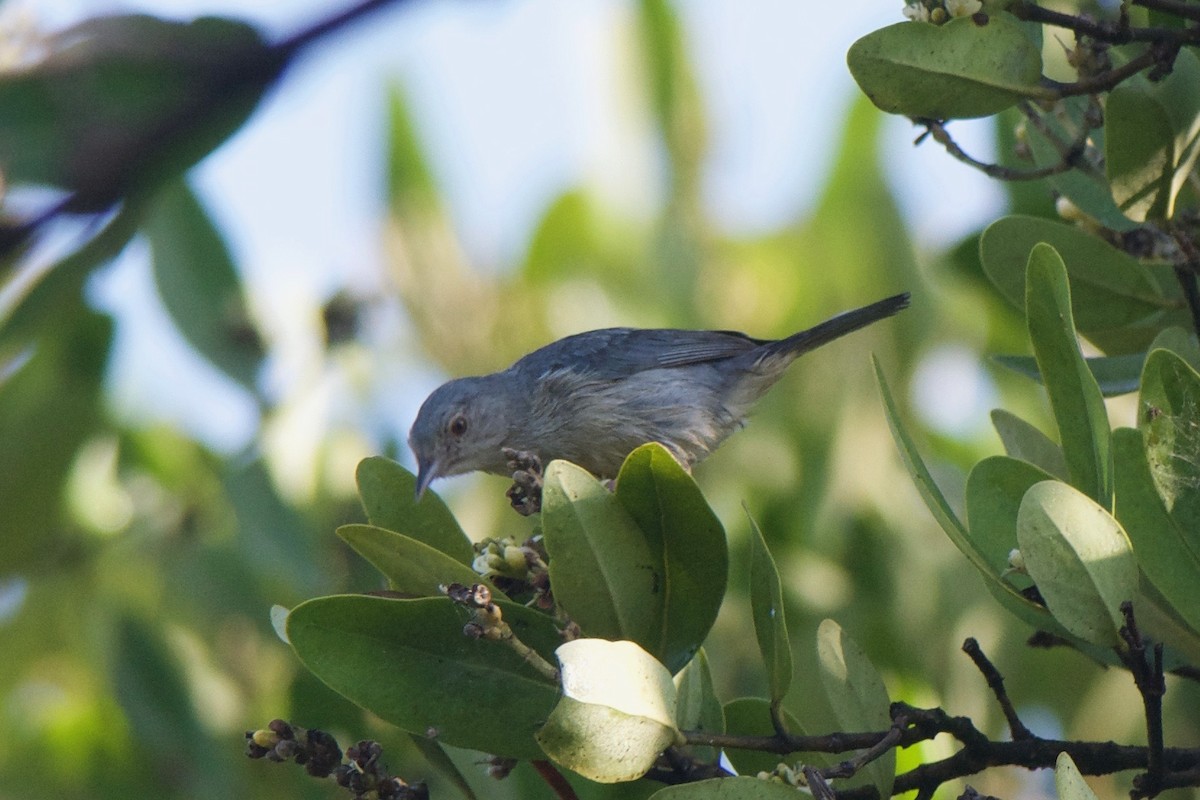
x: 48, y: 408
x: 959, y: 70
x: 770, y: 625
x: 697, y: 706
x: 858, y: 698
x: 995, y: 488
x: 411, y: 567
x: 1151, y: 135
x: 1159, y: 545
x: 1169, y: 407
x: 751, y: 716
x: 1115, y: 375
x: 666, y: 504
x: 125, y: 101
x: 1115, y: 302
x: 409, y: 662
x: 199, y: 285
x: 1024, y: 441
x: 1084, y: 185
x: 388, y: 493
x: 1068, y: 782
x: 1079, y: 558
x: 1074, y: 396
x: 738, y: 788
x: 604, y: 572
x: 411, y: 183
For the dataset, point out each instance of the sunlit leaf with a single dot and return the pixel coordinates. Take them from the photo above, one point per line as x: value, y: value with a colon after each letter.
x: 1068, y: 782
x: 1080, y: 559
x: 1074, y: 396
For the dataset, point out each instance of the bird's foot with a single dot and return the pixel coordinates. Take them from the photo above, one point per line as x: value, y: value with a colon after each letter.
x: 526, y: 492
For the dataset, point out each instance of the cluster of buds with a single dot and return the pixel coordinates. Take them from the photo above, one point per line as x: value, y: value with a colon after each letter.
x: 940, y: 12
x: 519, y: 570
x: 487, y: 620
x: 315, y: 750
x: 367, y: 779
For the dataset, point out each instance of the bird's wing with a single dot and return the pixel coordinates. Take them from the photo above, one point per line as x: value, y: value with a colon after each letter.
x: 614, y: 353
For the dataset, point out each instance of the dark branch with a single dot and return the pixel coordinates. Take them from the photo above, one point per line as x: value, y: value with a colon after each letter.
x: 995, y: 682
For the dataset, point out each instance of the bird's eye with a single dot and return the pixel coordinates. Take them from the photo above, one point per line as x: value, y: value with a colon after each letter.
x: 458, y: 425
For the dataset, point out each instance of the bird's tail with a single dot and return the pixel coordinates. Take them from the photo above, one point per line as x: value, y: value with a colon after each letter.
x: 847, y: 322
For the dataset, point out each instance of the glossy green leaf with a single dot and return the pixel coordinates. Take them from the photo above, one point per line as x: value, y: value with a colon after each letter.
x: 1068, y: 782
x: 1084, y: 185
x: 857, y: 696
x: 1169, y: 419
x: 1026, y: 442
x: 770, y: 621
x: 199, y: 285
x: 124, y: 101
x: 1152, y: 138
x: 388, y: 493
x: 1074, y: 396
x: 1116, y: 302
x: 697, y: 706
x: 1080, y: 559
x: 683, y: 532
x: 604, y: 572
x: 601, y: 743
x: 738, y: 788
x: 1159, y: 545
x: 995, y: 488
x: 412, y: 568
x: 751, y: 716
x: 958, y: 70
x: 1115, y: 375
x: 409, y: 662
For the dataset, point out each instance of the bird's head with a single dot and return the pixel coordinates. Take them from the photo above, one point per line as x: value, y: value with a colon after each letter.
x: 460, y: 428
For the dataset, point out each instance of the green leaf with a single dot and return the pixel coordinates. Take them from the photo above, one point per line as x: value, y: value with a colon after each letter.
x: 1179, y: 341
x: 604, y: 572
x: 617, y: 713
x: 408, y: 662
x: 1152, y: 132
x: 1080, y: 559
x: 1115, y: 375
x: 959, y: 70
x: 125, y: 101
x: 1159, y: 545
x: 770, y: 623
x: 751, y: 716
x: 388, y: 493
x: 857, y: 696
x: 1115, y: 301
x: 681, y: 529
x: 737, y: 788
x: 1068, y: 782
x: 1074, y: 396
x: 1169, y: 419
x: 1084, y: 185
x: 411, y: 567
x: 1022, y: 440
x: 995, y: 488
x: 437, y: 758
x: 411, y: 183
x: 199, y: 285
x: 697, y: 706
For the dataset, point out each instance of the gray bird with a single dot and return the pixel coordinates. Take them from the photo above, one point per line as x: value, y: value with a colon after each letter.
x: 594, y: 397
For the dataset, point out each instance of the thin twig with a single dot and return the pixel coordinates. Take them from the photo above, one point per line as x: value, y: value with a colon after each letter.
x: 995, y: 682
x: 1148, y: 677
x: 555, y: 780
x: 851, y: 766
x: 938, y: 131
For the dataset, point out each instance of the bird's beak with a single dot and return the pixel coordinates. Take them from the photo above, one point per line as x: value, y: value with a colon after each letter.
x: 426, y: 472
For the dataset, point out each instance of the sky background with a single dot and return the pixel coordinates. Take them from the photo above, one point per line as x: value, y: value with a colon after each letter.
x: 515, y: 101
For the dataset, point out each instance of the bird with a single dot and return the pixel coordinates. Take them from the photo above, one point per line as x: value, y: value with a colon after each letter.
x: 594, y: 397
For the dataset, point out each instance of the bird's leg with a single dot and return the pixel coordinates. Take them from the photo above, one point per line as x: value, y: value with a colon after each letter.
x: 526, y: 492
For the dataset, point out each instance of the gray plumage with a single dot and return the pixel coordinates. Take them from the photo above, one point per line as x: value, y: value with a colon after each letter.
x: 593, y: 397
